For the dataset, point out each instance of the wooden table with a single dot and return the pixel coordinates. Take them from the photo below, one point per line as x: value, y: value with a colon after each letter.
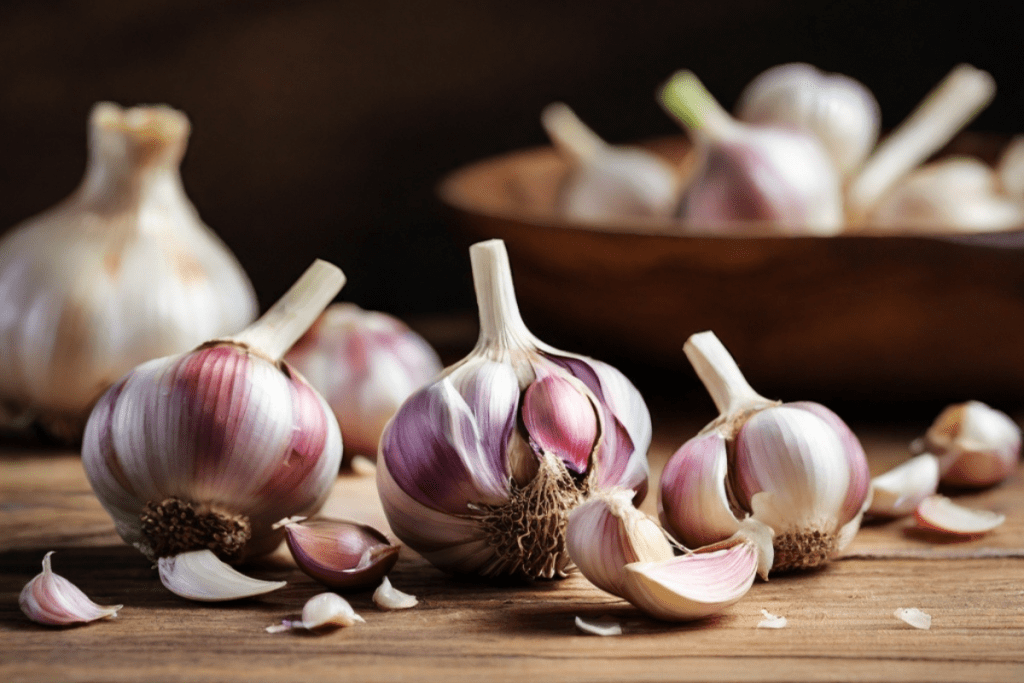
x: 841, y: 623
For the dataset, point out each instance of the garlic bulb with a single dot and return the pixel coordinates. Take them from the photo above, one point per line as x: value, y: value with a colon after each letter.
x: 976, y: 444
x: 607, y: 182
x: 52, y: 600
x: 339, y: 554
x: 120, y: 272
x: 780, y: 177
x: 795, y: 467
x: 478, y: 471
x: 839, y: 110
x: 207, y: 449
x: 365, y: 363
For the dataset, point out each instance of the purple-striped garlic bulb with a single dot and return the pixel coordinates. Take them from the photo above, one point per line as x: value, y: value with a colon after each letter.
x: 479, y: 470
x: 365, y: 363
x: 206, y: 450
x: 795, y: 467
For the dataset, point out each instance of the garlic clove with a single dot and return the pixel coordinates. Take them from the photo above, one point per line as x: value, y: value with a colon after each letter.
x: 976, y: 445
x: 561, y: 420
x: 388, y: 597
x: 340, y: 554
x: 325, y: 609
x: 52, y: 600
x: 939, y: 513
x: 199, y: 575
x: 898, y: 492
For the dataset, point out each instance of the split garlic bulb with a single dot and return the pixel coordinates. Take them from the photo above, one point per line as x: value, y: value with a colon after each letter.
x: 606, y: 182
x: 365, y: 363
x: 478, y: 470
x: 795, y: 467
x: 747, y: 174
x: 839, y: 110
x: 120, y: 272
x: 208, y: 449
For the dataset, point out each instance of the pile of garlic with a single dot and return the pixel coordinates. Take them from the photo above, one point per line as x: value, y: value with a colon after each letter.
x: 801, y: 157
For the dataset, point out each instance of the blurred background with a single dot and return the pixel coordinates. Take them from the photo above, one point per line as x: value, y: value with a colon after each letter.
x: 321, y: 129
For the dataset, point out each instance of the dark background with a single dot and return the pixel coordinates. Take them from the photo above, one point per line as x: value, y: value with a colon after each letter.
x: 320, y: 129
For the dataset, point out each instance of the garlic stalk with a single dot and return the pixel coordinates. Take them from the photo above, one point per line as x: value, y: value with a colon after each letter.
x: 939, y: 513
x: 207, y: 449
x: 795, y: 467
x: 752, y: 174
x: 976, y: 444
x: 899, y: 491
x: 839, y: 110
x: 607, y: 182
x: 339, y: 554
x: 325, y: 609
x: 52, y: 600
x: 478, y: 470
x: 365, y: 363
x: 120, y: 272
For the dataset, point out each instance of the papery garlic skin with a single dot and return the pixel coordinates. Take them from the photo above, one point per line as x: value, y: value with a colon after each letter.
x: 52, y: 600
x: 340, y: 554
x: 939, y: 513
x: 120, y: 272
x: 976, y: 444
x: 478, y: 470
x: 365, y: 363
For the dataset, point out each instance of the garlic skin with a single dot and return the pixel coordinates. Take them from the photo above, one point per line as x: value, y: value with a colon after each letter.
x: 976, y: 444
x: 478, y: 470
x: 340, y: 554
x: 839, y: 110
x: 207, y: 449
x: 752, y: 177
x: 795, y: 467
x: 365, y: 363
x: 607, y: 182
x: 899, y: 491
x: 120, y: 272
x: 52, y: 600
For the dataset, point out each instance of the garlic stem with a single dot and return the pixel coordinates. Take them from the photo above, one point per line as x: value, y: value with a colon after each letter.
x: 686, y: 98
x: 288, y: 319
x: 963, y: 93
x: 501, y: 325
x: 720, y: 375
x: 569, y: 134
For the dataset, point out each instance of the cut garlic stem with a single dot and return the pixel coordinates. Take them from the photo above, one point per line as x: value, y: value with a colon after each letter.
x: 956, y: 100
x: 289, y: 318
x: 720, y: 374
x: 388, y: 597
x: 52, y: 600
x: 939, y: 513
x: 199, y: 575
x: 569, y: 134
x: 501, y: 324
x: 898, y: 492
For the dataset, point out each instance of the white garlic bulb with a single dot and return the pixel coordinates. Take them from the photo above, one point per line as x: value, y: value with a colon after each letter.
x: 839, y: 110
x: 208, y: 449
x: 365, y: 363
x: 479, y: 470
x: 120, y: 272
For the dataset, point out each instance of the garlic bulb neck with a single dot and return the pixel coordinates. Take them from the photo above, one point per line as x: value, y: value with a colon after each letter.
x: 501, y: 326
x: 729, y: 389
x: 689, y: 101
x: 175, y: 526
x: 569, y: 134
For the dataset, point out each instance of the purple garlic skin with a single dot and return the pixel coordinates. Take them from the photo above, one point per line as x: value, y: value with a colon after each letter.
x: 340, y: 554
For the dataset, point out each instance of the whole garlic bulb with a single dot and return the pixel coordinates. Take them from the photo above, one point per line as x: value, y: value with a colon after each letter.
x: 208, y: 449
x: 365, y: 363
x: 747, y: 174
x: 839, y: 110
x: 120, y: 272
x: 479, y: 470
x: 795, y: 467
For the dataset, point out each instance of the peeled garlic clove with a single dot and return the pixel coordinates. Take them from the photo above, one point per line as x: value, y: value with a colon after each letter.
x: 52, y: 600
x: 607, y: 182
x: 976, y: 445
x: 898, y: 492
x: 120, y: 272
x: 325, y: 609
x: 365, y: 363
x: 390, y: 598
x: 199, y: 575
x: 340, y: 554
x: 939, y: 513
x: 839, y: 110
x: 776, y: 176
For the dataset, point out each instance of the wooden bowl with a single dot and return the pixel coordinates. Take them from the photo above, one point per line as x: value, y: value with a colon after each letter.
x: 860, y: 316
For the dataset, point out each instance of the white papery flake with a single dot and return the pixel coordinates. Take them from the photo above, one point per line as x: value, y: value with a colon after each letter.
x: 914, y: 617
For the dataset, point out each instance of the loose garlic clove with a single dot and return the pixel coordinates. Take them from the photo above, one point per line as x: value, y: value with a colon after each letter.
x: 52, y: 600
x: 898, y: 492
x: 325, y: 609
x: 365, y: 363
x: 338, y: 554
x: 779, y: 179
x: 387, y: 597
x: 199, y: 575
x: 976, y: 445
x: 1010, y: 169
x: 607, y: 182
x: 939, y: 513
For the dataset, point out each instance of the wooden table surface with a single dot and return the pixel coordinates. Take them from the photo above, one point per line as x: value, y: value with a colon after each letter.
x: 841, y: 624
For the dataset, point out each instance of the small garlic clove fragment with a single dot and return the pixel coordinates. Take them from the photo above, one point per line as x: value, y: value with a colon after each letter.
x: 52, y: 600
x: 939, y: 513
x: 325, y: 609
x: 602, y: 626
x: 772, y: 620
x: 899, y: 491
x: 914, y: 617
x: 388, y: 597
x: 977, y: 445
x: 340, y: 554
x: 199, y: 575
